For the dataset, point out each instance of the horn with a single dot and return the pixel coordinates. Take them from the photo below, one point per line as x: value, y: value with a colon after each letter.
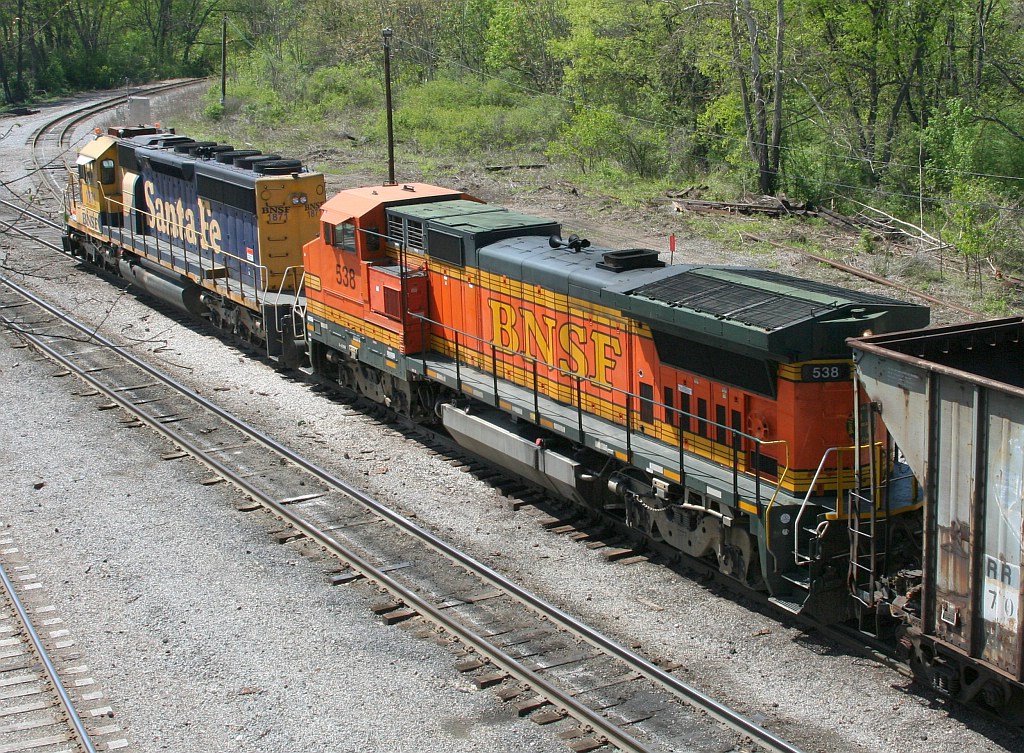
x: 555, y: 241
x: 576, y: 243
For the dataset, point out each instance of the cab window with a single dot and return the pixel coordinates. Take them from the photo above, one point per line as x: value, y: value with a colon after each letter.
x: 344, y: 236
x: 107, y: 171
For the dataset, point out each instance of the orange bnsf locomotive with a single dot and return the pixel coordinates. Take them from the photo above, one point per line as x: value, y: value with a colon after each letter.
x: 711, y: 408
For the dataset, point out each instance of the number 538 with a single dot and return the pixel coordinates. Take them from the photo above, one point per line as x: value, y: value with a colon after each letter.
x: 346, y: 276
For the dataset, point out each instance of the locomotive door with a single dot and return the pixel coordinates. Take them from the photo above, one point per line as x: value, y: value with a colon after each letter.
x: 345, y: 266
x: 727, y: 429
x: 470, y: 320
x: 133, y: 192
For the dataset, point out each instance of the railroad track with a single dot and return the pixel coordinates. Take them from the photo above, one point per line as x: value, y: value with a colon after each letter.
x: 52, y: 140
x: 48, y: 702
x: 550, y: 665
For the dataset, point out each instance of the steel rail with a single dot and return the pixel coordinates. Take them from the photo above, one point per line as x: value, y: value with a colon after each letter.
x: 12, y: 226
x: 76, y: 116
x: 609, y: 731
x: 48, y: 667
x: 25, y: 212
x: 556, y: 615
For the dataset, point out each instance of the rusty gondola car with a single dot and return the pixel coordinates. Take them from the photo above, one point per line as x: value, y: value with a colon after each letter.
x: 953, y: 398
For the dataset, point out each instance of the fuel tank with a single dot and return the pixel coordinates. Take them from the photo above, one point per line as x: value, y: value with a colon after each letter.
x: 175, y: 289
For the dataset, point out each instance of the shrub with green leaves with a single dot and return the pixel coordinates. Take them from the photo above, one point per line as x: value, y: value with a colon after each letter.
x: 474, y: 117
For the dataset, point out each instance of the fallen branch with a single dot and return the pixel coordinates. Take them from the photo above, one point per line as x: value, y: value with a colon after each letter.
x: 499, y: 168
x: 935, y: 241
x: 865, y: 275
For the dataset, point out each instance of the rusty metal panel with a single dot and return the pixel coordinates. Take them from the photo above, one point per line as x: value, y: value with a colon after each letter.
x: 954, y: 429
x: 1000, y: 582
x: 901, y: 390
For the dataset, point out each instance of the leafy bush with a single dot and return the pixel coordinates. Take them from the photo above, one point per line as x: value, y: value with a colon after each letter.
x: 600, y: 139
x: 214, y: 111
x: 470, y: 117
x: 340, y: 89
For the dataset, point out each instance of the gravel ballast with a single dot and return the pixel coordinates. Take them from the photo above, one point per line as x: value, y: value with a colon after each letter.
x: 206, y: 636
x: 203, y: 634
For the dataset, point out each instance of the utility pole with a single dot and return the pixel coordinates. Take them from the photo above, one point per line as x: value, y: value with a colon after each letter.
x: 388, y: 33
x: 223, y: 61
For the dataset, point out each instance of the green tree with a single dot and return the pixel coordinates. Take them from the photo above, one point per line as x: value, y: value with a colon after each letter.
x: 518, y: 39
x: 760, y: 82
x: 464, y: 33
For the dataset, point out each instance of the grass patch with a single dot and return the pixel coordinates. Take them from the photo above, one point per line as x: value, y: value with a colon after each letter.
x: 441, y: 126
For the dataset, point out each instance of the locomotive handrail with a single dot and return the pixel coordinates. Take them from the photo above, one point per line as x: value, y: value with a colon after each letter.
x: 132, y: 213
x: 297, y: 273
x: 69, y: 189
x: 785, y: 470
x: 798, y: 558
x: 204, y: 264
x: 530, y: 367
x: 69, y: 201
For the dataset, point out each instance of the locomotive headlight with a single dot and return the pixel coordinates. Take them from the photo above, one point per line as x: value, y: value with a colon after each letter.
x: 303, y: 199
x: 295, y: 200
x: 298, y: 198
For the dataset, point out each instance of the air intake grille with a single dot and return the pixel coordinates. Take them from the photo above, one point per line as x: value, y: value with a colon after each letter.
x: 764, y: 299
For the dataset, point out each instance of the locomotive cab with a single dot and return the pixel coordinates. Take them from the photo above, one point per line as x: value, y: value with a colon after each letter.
x: 98, y: 184
x: 358, y: 270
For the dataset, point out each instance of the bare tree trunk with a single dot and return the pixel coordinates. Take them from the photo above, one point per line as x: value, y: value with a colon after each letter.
x: 19, y: 65
x: 777, y: 87
x: 762, y: 142
x: 5, y: 80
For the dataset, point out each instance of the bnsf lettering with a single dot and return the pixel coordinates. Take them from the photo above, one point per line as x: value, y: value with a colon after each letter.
x: 178, y: 221
x: 89, y: 218
x: 275, y: 214
x: 566, y: 346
